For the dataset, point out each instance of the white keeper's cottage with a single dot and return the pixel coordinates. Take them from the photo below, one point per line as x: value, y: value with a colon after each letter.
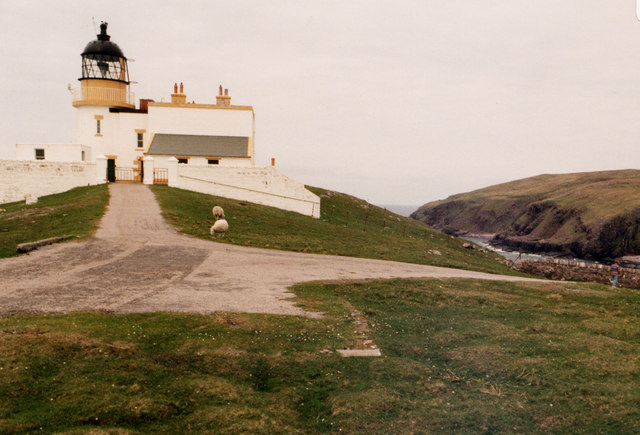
x: 205, y: 147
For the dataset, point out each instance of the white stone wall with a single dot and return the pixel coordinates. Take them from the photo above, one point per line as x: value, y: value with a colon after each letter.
x: 264, y: 186
x: 39, y: 178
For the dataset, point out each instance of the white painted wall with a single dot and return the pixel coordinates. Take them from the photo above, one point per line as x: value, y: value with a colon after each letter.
x: 124, y: 144
x: 203, y: 121
x: 86, y: 128
x: 57, y: 152
x: 39, y: 178
x: 118, y: 136
x: 161, y: 162
x: 264, y: 186
x: 117, y: 133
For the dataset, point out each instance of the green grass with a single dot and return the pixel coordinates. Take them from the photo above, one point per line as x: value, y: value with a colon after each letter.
x: 348, y: 226
x: 459, y: 356
x: 74, y: 213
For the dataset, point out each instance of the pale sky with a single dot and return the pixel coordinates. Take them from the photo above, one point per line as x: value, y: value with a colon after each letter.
x: 396, y: 102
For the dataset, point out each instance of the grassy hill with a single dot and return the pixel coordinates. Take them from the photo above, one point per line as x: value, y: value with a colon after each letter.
x: 74, y: 213
x: 592, y: 214
x: 348, y: 226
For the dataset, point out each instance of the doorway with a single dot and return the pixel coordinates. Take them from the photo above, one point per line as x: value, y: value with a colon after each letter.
x: 111, y: 170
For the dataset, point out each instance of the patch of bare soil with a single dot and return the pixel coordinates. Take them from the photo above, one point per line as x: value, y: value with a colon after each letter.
x: 29, y: 212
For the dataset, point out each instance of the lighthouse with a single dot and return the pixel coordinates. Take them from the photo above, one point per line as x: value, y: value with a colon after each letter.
x: 105, y: 74
x: 207, y: 147
x: 105, y: 91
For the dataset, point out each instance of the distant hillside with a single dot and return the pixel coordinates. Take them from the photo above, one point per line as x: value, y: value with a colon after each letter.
x: 590, y: 214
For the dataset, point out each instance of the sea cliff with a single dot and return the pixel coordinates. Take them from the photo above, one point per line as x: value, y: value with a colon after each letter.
x: 593, y: 215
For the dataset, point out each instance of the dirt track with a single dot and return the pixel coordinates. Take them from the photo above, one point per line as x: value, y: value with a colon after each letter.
x: 138, y: 263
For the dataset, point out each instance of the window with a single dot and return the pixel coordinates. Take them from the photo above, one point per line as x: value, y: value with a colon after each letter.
x: 183, y: 160
x: 140, y: 139
x: 97, y: 126
x: 39, y: 154
x: 83, y: 156
x: 213, y: 161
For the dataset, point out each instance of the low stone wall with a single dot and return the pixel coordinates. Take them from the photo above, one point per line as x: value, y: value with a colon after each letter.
x: 21, y: 177
x: 578, y: 271
x: 264, y: 186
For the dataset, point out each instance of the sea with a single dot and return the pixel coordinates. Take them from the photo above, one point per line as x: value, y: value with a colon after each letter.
x: 509, y: 255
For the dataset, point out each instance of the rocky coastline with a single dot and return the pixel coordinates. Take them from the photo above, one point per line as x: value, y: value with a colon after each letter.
x: 593, y: 216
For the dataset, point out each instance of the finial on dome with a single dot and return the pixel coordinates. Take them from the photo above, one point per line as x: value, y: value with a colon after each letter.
x: 103, y: 32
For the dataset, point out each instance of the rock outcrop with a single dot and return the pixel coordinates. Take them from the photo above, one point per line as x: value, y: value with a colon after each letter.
x: 590, y: 215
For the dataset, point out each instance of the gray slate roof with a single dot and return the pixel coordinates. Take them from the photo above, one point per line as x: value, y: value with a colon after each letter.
x: 197, y: 145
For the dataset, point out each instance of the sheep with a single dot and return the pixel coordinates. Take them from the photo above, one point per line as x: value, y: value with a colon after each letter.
x: 218, y: 213
x: 220, y: 226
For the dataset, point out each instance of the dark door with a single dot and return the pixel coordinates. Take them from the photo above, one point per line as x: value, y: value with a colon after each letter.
x: 111, y: 170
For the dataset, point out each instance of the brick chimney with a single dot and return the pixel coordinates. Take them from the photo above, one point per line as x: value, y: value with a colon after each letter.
x: 223, y: 100
x: 144, y: 103
x: 178, y: 97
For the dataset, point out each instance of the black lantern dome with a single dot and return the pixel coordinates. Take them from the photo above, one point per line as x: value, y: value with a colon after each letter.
x: 103, y: 59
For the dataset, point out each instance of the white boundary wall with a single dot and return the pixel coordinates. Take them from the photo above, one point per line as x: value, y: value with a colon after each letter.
x: 264, y: 186
x: 39, y: 178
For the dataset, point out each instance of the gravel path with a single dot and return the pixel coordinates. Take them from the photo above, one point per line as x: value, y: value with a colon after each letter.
x: 138, y: 263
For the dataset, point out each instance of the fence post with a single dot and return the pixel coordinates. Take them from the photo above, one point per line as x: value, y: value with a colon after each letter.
x: 172, y: 172
x: 101, y: 169
x: 148, y: 170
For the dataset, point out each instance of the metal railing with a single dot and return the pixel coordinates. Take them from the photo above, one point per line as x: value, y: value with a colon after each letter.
x: 109, y: 95
x: 160, y: 176
x: 128, y: 175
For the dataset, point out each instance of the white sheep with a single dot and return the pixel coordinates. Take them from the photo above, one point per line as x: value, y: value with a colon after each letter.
x: 220, y: 226
x: 218, y: 212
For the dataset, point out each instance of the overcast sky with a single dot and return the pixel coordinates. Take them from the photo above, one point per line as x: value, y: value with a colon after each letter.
x: 396, y: 102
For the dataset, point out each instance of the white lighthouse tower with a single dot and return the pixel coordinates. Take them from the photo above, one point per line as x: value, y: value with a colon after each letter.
x: 104, y: 84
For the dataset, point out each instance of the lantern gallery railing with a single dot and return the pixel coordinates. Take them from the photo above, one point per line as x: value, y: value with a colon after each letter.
x: 95, y: 95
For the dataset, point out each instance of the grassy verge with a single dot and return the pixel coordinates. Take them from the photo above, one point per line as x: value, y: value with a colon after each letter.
x: 74, y: 213
x: 458, y: 357
x: 348, y: 226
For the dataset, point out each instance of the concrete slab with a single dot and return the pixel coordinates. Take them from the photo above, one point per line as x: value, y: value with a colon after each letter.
x: 358, y: 352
